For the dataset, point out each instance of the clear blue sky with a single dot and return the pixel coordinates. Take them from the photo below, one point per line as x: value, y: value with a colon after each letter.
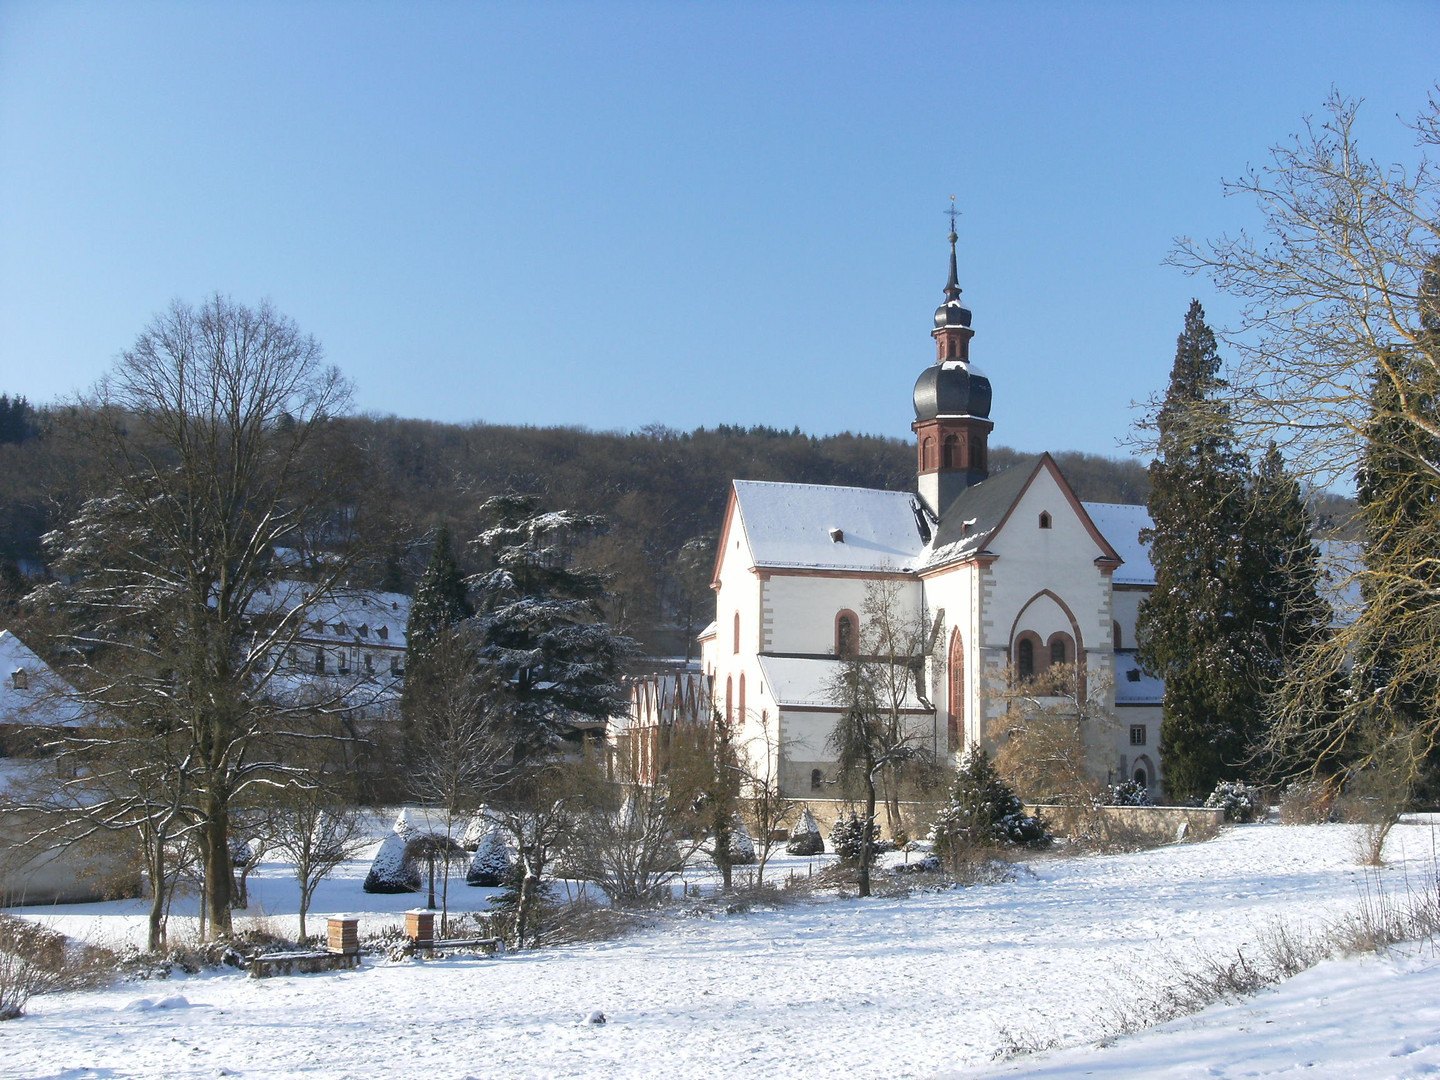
x: 623, y: 214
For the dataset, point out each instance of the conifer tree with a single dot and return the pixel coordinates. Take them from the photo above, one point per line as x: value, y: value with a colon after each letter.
x: 442, y: 602
x: 541, y: 628
x: 1285, y: 601
x: 1196, y: 630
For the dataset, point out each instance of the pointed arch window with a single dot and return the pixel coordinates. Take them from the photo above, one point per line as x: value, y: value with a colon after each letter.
x: 736, y: 637
x: 729, y: 699
x: 741, y: 701
x: 955, y: 705
x: 1045, y: 521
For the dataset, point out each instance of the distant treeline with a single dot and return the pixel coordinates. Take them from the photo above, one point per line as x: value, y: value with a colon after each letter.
x: 663, y: 492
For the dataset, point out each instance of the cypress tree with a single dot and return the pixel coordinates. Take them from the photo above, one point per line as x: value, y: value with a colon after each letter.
x: 1395, y: 684
x: 1196, y: 628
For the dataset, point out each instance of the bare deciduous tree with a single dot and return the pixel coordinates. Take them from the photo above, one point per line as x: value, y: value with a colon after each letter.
x: 221, y: 466
x: 877, y: 690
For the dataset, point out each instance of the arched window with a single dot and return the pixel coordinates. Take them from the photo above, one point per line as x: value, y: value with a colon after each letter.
x: 927, y: 453
x: 1142, y: 779
x: 1115, y: 633
x: 741, y: 702
x: 1045, y: 519
x: 817, y: 779
x: 1025, y: 658
x: 737, y: 633
x: 1057, y: 650
x: 956, y: 693
x: 977, y: 452
x: 950, y: 453
x: 729, y: 700
x: 847, y: 633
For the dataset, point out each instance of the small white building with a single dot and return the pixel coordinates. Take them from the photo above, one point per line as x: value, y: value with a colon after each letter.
x: 1013, y: 572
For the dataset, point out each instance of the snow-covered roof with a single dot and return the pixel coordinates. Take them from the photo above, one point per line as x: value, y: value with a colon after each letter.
x: 30, y: 692
x: 1120, y: 523
x: 708, y: 632
x: 347, y: 616
x: 808, y: 681
x: 820, y: 526
x: 972, y: 517
x: 1133, y: 686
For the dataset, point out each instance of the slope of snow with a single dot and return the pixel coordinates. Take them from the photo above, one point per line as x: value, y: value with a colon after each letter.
x: 933, y: 985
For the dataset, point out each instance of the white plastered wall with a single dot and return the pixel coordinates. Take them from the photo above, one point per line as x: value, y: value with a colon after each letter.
x: 1041, y: 579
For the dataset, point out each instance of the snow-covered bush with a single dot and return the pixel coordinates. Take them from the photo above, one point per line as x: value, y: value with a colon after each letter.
x: 1128, y: 793
x: 1239, y: 800
x: 805, y: 838
x: 393, y: 870
x: 742, y: 847
x: 848, y: 835
x: 491, y: 862
x: 983, y: 812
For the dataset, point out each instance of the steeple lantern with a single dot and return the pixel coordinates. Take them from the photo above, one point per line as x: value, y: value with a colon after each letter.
x: 952, y: 406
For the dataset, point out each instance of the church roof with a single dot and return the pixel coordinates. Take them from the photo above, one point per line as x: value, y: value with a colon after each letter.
x: 820, y: 526
x: 1121, y: 524
x: 968, y: 523
x: 800, y: 681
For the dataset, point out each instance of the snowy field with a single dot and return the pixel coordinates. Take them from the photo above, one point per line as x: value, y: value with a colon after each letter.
x: 930, y: 986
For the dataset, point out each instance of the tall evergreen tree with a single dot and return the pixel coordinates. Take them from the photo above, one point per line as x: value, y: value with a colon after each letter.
x: 1395, y: 680
x: 541, y: 628
x: 442, y: 602
x: 1196, y: 630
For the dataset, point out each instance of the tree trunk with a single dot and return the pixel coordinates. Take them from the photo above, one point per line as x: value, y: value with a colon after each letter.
x: 219, y: 874
x: 522, y: 910
x: 155, y: 940
x: 866, y: 848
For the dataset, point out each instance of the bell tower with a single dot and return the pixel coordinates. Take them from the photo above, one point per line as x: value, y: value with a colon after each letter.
x: 952, y: 404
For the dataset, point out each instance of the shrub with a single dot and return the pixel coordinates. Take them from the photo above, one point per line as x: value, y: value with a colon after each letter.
x: 1128, y: 793
x: 742, y: 847
x: 1239, y: 800
x: 1308, y: 802
x: 806, y: 838
x: 492, y: 860
x: 848, y: 834
x: 983, y: 812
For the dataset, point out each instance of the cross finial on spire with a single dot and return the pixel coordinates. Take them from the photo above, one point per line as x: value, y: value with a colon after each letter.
x: 952, y: 287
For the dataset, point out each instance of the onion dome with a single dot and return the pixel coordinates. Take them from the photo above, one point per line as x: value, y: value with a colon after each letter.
x: 953, y: 388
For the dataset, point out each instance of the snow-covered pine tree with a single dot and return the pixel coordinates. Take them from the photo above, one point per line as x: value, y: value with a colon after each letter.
x: 983, y: 811
x: 1196, y: 629
x: 541, y: 628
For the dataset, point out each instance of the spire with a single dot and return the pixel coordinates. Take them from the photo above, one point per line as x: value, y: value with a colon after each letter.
x: 952, y: 287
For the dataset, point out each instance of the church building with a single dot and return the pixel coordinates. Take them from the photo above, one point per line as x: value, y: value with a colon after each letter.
x: 1011, y: 573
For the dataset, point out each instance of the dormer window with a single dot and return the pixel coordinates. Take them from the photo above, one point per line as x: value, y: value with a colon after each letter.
x: 1045, y: 519
x: 364, y: 630
x: 384, y: 633
x: 20, y: 680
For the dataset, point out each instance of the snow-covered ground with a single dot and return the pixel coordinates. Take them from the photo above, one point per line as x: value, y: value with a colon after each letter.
x: 929, y: 986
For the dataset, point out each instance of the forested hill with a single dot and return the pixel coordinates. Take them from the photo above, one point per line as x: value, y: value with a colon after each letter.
x: 663, y: 492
